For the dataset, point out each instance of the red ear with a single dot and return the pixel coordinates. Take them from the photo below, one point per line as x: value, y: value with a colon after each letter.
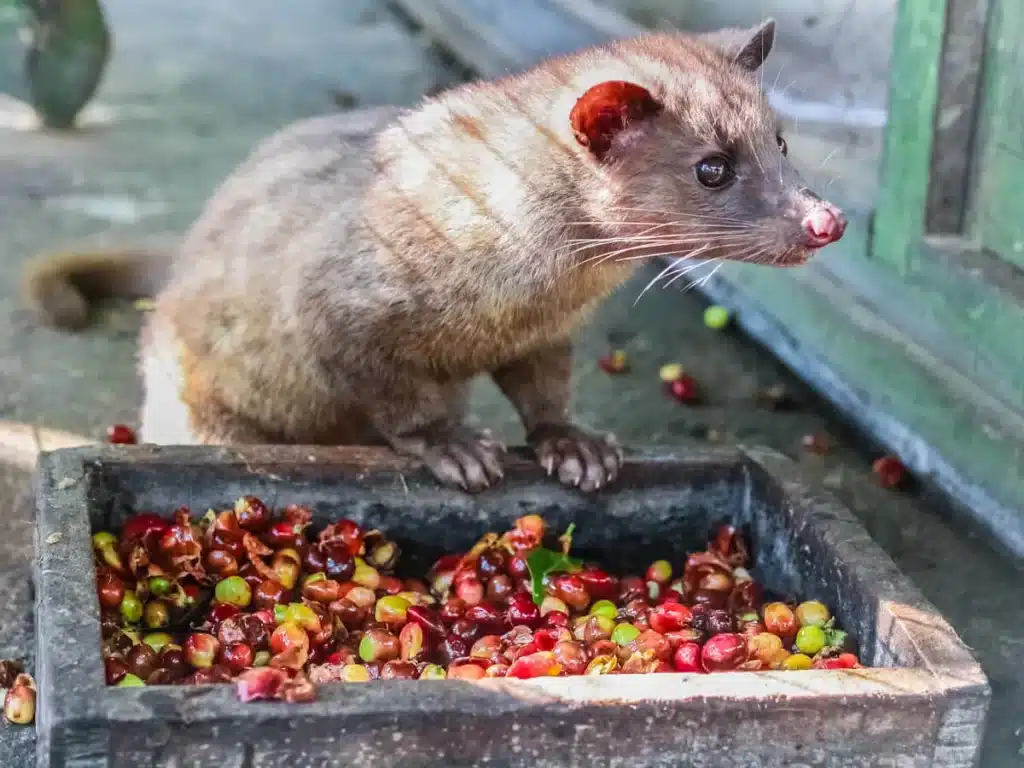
x: 606, y: 109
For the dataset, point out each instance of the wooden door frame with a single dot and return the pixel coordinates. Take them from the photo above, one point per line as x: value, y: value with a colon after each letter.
x: 936, y: 79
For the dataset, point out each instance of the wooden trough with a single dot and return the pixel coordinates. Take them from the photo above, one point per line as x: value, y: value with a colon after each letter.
x: 923, y: 702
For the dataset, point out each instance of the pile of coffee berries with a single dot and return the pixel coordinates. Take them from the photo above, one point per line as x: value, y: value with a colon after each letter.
x: 259, y: 598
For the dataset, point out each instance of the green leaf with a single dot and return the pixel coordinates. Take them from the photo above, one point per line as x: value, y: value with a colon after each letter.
x: 835, y: 638
x: 542, y: 562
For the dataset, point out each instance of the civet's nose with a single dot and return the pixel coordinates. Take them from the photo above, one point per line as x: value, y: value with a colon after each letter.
x: 825, y: 224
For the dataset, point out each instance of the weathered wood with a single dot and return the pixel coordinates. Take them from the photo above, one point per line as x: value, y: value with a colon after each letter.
x: 925, y: 703
x: 960, y: 84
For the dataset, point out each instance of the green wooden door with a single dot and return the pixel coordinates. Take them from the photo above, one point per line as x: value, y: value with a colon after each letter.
x: 950, y: 214
x: 998, y: 215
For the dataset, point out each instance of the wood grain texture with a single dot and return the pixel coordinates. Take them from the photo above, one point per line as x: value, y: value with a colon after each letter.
x: 924, y: 703
x: 956, y: 116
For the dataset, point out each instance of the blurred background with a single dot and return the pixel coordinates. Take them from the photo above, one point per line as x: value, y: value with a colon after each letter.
x: 907, y: 338
x: 828, y: 76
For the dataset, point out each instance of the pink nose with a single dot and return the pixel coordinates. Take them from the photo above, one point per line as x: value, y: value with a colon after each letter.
x: 824, y: 224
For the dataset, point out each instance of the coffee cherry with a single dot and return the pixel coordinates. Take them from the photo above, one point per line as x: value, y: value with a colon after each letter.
x: 550, y: 604
x: 487, y: 617
x: 252, y: 514
x: 392, y: 610
x: 670, y: 372
x: 260, y: 684
x: 287, y: 636
x: 427, y: 618
x: 716, y: 317
x: 379, y: 645
x: 624, y: 634
x: 764, y: 646
x: 383, y: 555
x: 660, y: 571
x: 366, y: 576
x: 723, y: 652
x: 399, y: 670
x: 651, y: 643
x: 302, y: 615
x: 233, y: 591
x: 522, y: 610
x: 572, y: 657
x: 466, y: 672
x: 842, y: 661
x: 131, y: 608
x: 201, y: 650
x: 604, y: 608
x: 889, y: 472
x: 615, y: 362
x: 812, y: 613
x: 687, y: 658
x: 237, y: 657
x: 321, y: 590
x: 281, y: 535
x: 110, y: 590
x: 539, y: 664
x: 286, y: 566
x: 120, y: 434
x: 572, y: 590
x: 669, y: 617
x: 602, y: 664
x: 433, y: 672
x: 798, y: 661
x: 810, y: 640
x: 339, y: 562
x: 597, y: 628
x: 779, y: 619
x: 684, y: 389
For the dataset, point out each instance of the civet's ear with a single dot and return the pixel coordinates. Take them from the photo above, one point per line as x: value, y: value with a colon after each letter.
x: 607, y: 109
x: 746, y: 47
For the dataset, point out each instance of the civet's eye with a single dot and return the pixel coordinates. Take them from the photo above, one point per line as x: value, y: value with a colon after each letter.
x: 783, y: 146
x: 714, y: 172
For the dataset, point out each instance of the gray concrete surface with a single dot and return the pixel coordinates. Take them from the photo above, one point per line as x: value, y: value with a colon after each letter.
x: 192, y: 85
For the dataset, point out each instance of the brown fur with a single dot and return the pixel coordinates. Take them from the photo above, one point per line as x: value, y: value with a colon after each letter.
x: 60, y: 287
x: 356, y: 272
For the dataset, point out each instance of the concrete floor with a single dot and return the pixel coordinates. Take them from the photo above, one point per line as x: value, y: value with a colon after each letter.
x: 185, y: 99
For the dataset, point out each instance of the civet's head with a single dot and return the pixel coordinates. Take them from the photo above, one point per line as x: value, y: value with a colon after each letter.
x: 684, y: 150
